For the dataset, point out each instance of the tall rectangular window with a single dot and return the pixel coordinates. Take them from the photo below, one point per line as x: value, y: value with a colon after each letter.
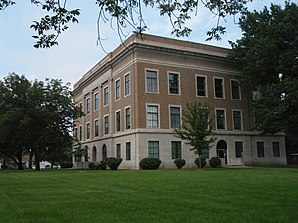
x: 218, y: 88
x: 88, y: 130
x: 106, y: 96
x: 173, y: 83
x: 88, y: 105
x: 106, y: 124
x: 176, y: 149
x: 118, y: 90
x: 237, y: 120
x: 118, y: 150
x: 96, y: 101
x: 153, y: 149
x: 201, y: 86
x: 151, y: 81
x: 127, y: 85
x: 205, y: 153
x: 152, y: 116
x: 128, y: 151
x: 175, y: 117
x: 260, y: 149
x: 238, y: 149
x: 81, y: 133
x: 118, y: 121
x: 220, y: 119
x: 235, y: 89
x: 127, y: 118
x: 76, y: 133
x: 275, y: 148
x: 257, y: 93
x: 96, y: 128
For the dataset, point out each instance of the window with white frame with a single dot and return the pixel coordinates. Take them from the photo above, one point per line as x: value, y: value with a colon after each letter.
x: 127, y: 85
x: 238, y: 149
x: 106, y: 124
x: 128, y: 150
x: 220, y: 119
x: 235, y: 90
x: 152, y: 116
x: 237, y: 120
x: 219, y: 87
x: 118, y: 90
x: 151, y: 81
x: 96, y: 128
x: 175, y: 117
x: 96, y: 101
x: 76, y: 133
x: 118, y: 150
x: 153, y: 149
x: 275, y: 149
x: 174, y: 83
x: 201, y: 82
x: 127, y: 117
x: 88, y: 130
x: 118, y: 121
x: 88, y: 105
x: 176, y: 149
x: 81, y: 133
x: 106, y: 96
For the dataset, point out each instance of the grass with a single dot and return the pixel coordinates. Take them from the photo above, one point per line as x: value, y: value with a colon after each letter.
x: 208, y: 195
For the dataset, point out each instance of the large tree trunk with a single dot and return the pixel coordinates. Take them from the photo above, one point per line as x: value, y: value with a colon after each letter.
x: 37, y: 161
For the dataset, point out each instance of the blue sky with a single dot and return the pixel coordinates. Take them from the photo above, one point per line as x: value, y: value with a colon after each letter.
x: 77, y: 51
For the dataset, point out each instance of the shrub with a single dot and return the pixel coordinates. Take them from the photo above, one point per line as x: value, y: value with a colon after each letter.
x: 113, y: 162
x: 203, y: 161
x: 66, y: 164
x: 150, y: 163
x: 101, y: 166
x: 215, y: 162
x: 179, y: 162
x: 92, y: 166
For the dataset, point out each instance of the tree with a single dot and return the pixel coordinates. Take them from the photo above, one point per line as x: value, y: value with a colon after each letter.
x: 268, y: 59
x: 35, y: 116
x: 196, y: 128
x: 128, y: 13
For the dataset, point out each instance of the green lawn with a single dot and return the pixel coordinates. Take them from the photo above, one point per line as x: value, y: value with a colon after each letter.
x: 208, y: 195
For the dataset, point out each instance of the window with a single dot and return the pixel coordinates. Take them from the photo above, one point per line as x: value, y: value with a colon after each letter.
x: 88, y: 105
x: 260, y: 149
x: 237, y: 120
x: 96, y: 101
x: 152, y: 116
x: 127, y: 118
x: 94, y: 154
x: 275, y: 148
x: 176, y: 149
x: 96, y: 128
x: 235, y: 89
x: 127, y: 85
x: 153, y: 149
x: 76, y: 133
x: 118, y: 90
x: 128, y: 151
x: 256, y: 93
x: 104, y: 152
x: 81, y: 133
x: 238, y: 149
x: 173, y: 83
x: 106, y: 96
x: 106, y: 124
x: 118, y: 150
x: 205, y: 153
x: 175, y: 117
x: 218, y: 87
x: 201, y: 86
x: 151, y: 81
x: 118, y: 121
x: 220, y: 119
x: 88, y: 130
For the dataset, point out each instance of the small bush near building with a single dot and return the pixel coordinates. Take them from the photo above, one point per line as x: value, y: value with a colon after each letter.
x: 150, y: 163
x: 101, y: 166
x: 66, y: 164
x: 215, y: 162
x: 113, y: 162
x: 92, y: 166
x: 179, y: 163
x: 203, y: 161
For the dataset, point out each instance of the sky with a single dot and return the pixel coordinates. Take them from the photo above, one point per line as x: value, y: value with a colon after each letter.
x: 78, y: 50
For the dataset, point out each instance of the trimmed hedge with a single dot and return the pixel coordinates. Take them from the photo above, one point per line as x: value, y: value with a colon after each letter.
x: 101, y: 166
x: 92, y: 166
x: 113, y: 162
x: 150, y: 163
x: 203, y: 162
x: 179, y: 163
x: 215, y: 162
